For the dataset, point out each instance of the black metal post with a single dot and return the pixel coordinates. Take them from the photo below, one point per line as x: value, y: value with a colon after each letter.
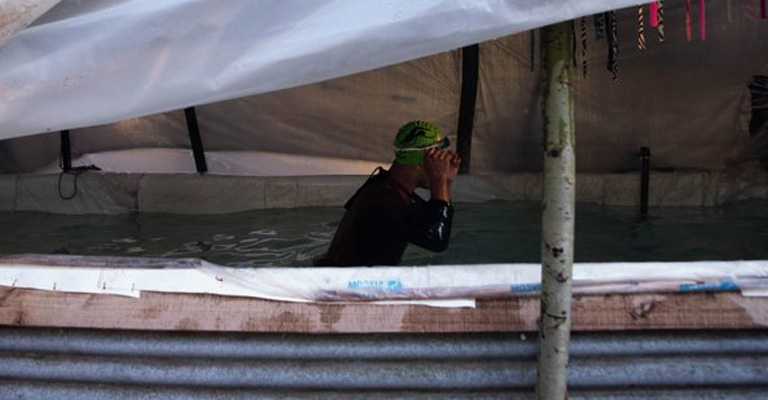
x: 470, y: 60
x: 195, y: 140
x: 645, y: 168
x: 66, y: 151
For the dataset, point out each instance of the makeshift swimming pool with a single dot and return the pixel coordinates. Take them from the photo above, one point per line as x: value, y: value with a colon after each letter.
x: 491, y: 232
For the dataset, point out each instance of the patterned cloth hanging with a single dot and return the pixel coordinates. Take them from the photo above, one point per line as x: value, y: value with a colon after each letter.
x: 640, y: 29
x: 660, y: 26
x: 688, y: 29
x: 729, y: 10
x: 749, y: 11
x: 584, y: 46
x: 613, y: 44
x: 599, y: 21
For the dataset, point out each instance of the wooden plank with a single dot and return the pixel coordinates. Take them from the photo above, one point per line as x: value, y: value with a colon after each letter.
x: 195, y: 312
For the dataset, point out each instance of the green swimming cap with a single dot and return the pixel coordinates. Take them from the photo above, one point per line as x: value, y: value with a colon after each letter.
x: 413, y: 138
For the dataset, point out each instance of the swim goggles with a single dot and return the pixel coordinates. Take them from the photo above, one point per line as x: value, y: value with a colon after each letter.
x: 444, y: 143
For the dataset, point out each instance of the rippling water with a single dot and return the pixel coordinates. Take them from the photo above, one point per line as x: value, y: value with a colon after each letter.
x: 483, y: 233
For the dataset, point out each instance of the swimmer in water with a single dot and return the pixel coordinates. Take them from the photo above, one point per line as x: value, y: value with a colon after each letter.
x: 385, y: 214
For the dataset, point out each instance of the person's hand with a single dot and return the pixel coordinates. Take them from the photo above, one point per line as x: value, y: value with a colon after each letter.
x: 441, y: 165
x: 455, y: 163
x: 441, y: 168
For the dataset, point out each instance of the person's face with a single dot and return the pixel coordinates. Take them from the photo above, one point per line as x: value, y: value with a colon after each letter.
x: 423, y: 180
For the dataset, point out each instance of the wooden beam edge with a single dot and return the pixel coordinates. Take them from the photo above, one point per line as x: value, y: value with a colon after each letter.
x: 199, y: 312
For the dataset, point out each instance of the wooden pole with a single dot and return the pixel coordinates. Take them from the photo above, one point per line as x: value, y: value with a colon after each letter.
x: 558, y: 213
x: 470, y: 72
x: 66, y: 151
x: 194, y: 138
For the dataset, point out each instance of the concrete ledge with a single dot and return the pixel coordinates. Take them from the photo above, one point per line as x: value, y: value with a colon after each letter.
x: 109, y: 193
x: 620, y: 189
x: 200, y: 194
x: 91, y: 193
x: 8, y: 192
x: 518, y: 187
x: 311, y: 191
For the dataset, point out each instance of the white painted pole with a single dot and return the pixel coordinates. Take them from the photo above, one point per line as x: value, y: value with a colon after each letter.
x: 558, y: 215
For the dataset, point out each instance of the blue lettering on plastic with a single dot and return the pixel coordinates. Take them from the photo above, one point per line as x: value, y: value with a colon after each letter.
x: 364, y: 284
x: 726, y: 285
x: 526, y: 288
x: 392, y: 284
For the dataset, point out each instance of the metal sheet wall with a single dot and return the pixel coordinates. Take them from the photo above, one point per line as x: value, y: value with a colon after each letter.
x: 80, y: 364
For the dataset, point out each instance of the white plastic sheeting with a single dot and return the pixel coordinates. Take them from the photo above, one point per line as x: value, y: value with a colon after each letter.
x: 130, y: 276
x: 88, y: 63
x: 687, y: 101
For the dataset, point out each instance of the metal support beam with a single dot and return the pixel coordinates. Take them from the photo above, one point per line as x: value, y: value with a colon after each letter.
x: 66, y: 151
x: 470, y: 62
x: 195, y: 140
x: 558, y: 215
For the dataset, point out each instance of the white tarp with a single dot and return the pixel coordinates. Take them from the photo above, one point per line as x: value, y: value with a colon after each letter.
x: 87, y: 63
x: 686, y: 100
x: 443, y: 285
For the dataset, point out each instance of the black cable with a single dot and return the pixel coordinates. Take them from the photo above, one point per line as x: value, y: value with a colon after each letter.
x: 65, y: 163
x: 76, y: 173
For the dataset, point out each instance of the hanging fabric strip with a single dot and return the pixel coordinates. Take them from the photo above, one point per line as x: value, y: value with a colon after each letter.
x: 533, y: 48
x: 613, y: 44
x: 729, y: 10
x: 584, y: 46
x: 748, y: 10
x: 574, y: 43
x: 660, y: 26
x: 703, y: 20
x: 688, y: 29
x: 653, y: 14
x: 599, y: 26
x: 640, y: 28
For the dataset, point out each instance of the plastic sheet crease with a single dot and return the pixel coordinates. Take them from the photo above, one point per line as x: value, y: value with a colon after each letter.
x: 682, y: 99
x: 90, y: 63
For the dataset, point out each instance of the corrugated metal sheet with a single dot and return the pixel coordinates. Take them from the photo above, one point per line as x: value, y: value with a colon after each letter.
x: 84, y: 364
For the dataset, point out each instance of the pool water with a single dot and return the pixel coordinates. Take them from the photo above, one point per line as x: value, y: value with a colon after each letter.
x: 491, y: 232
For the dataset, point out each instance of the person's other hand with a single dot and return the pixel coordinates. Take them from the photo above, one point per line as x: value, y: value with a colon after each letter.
x: 455, y: 163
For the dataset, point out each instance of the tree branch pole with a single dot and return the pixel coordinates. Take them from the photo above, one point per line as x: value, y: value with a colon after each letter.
x: 558, y: 215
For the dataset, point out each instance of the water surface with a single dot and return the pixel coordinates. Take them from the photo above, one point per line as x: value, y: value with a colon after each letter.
x: 492, y: 232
